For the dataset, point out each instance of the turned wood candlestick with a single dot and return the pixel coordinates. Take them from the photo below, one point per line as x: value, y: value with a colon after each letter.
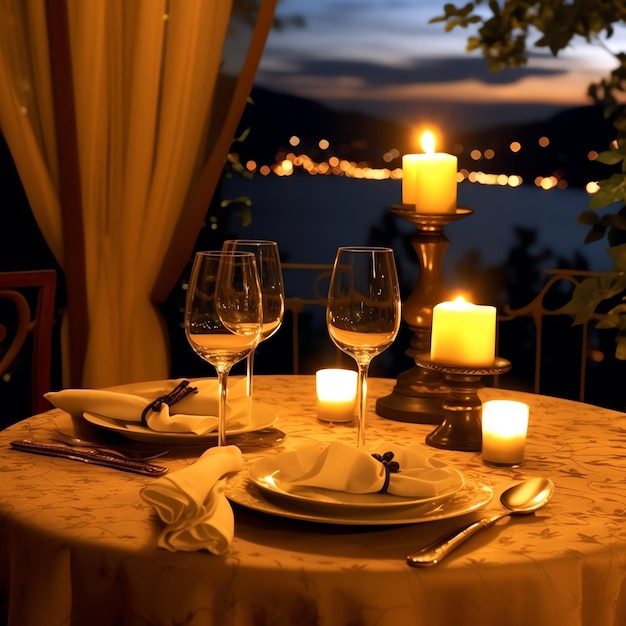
x: 419, y: 392
x: 461, y: 428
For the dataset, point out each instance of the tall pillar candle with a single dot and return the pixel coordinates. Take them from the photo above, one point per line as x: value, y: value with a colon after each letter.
x: 429, y: 180
x: 463, y: 334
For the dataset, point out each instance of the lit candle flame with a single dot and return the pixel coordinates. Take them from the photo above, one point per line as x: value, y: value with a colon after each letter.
x: 461, y: 303
x: 428, y: 142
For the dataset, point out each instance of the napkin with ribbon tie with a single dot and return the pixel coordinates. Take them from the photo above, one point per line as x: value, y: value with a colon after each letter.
x: 405, y: 472
x: 195, y: 413
x: 192, y: 504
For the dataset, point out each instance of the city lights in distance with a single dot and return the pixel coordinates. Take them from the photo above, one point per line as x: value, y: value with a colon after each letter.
x: 592, y: 187
x: 328, y: 162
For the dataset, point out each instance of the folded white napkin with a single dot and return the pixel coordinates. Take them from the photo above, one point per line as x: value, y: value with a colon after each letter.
x: 341, y: 467
x: 192, y: 503
x: 196, y: 413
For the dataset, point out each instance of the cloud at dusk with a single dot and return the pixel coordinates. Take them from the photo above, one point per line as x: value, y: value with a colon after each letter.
x: 383, y: 57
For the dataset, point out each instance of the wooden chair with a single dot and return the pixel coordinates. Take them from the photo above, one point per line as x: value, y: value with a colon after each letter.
x: 27, y: 299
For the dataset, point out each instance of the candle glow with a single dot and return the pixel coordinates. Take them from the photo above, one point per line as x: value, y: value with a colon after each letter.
x: 504, y: 427
x: 336, y: 394
x: 429, y: 180
x: 463, y: 334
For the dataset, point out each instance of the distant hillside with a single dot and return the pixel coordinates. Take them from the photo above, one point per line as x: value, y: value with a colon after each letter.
x: 572, y: 135
x: 273, y: 118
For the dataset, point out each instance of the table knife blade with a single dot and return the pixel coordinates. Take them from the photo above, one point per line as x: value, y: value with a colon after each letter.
x: 89, y: 456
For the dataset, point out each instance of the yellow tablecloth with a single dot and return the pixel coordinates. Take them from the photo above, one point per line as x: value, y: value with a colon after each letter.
x: 78, y: 545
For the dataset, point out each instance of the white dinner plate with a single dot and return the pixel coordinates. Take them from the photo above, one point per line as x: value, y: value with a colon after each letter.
x: 263, y: 416
x: 274, y: 475
x: 473, y: 496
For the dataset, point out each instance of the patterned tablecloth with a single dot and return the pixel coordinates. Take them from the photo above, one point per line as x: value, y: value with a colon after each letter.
x: 78, y: 545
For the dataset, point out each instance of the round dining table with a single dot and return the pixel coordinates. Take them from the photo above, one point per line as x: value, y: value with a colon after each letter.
x: 78, y: 546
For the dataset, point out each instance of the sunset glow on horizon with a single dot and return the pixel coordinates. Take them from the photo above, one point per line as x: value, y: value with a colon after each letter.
x: 416, y: 65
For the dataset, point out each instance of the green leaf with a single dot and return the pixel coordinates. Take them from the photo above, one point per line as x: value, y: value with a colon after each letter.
x: 243, y: 136
x: 618, y: 254
x: 609, y: 321
x: 611, y: 190
x: 615, y: 221
x: 596, y: 233
x: 589, y: 293
x: 610, y: 157
x: 238, y: 201
x: 620, y: 348
x: 588, y: 217
x: 244, y: 215
x: 472, y: 44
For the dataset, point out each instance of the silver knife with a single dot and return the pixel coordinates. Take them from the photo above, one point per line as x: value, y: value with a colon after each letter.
x: 89, y: 456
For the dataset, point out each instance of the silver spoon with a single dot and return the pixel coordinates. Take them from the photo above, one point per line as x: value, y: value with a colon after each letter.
x: 521, y: 499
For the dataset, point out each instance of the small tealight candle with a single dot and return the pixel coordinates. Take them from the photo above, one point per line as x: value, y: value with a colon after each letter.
x: 504, y: 427
x: 463, y: 334
x: 429, y: 180
x: 336, y: 394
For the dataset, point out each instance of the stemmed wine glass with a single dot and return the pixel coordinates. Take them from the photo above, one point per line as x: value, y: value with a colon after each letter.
x: 272, y: 290
x: 363, y: 311
x: 223, y: 314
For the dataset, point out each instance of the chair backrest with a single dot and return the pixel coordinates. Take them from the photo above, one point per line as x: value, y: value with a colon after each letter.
x: 529, y: 334
x: 306, y: 289
x: 27, y: 299
x: 572, y: 344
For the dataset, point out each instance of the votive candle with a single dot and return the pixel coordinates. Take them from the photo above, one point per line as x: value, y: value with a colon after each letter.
x: 336, y: 391
x: 463, y: 334
x: 429, y: 180
x: 504, y: 429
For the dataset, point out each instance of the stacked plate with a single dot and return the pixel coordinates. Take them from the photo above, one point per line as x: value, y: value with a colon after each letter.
x: 267, y: 486
x: 262, y: 416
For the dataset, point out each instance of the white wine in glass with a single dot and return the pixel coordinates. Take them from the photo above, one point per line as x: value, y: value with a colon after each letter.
x: 273, y: 293
x: 364, y: 310
x: 223, y: 315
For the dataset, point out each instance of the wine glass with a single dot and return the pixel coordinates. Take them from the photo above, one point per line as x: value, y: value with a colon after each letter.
x: 271, y: 278
x: 223, y: 315
x: 363, y: 311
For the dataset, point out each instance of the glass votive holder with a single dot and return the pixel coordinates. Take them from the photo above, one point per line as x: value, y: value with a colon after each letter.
x: 336, y: 391
x: 504, y: 428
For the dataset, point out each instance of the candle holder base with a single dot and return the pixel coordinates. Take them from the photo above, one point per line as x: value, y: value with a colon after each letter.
x: 419, y: 393
x: 417, y: 397
x: 461, y: 428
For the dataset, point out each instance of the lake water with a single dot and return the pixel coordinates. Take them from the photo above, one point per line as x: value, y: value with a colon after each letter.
x: 310, y: 216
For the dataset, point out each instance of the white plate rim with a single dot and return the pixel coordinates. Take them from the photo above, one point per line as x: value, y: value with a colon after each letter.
x: 474, y: 495
x: 325, y: 499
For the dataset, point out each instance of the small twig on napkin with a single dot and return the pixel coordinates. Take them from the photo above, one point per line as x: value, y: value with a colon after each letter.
x: 182, y: 390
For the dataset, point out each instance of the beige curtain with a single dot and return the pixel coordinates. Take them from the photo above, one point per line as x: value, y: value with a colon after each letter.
x: 119, y: 144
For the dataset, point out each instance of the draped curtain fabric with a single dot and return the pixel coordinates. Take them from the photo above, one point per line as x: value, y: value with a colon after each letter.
x: 120, y: 146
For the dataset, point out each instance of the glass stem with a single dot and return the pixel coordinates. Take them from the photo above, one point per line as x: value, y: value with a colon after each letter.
x: 249, y: 369
x: 362, y: 401
x: 222, y: 385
